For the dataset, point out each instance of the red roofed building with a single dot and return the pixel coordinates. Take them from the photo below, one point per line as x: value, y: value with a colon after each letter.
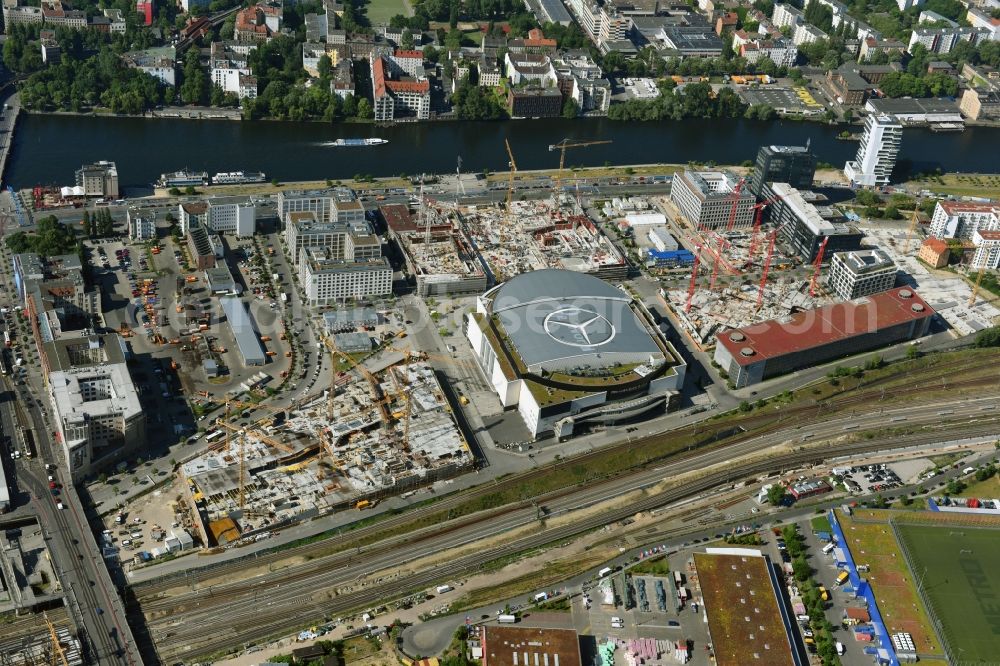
x: 857, y: 614
x: 395, y: 93
x: 726, y: 22
x: 961, y: 219
x: 258, y: 23
x: 934, y: 252
x: 535, y: 42
x: 754, y: 353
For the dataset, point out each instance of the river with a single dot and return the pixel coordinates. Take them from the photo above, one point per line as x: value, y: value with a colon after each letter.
x: 48, y: 149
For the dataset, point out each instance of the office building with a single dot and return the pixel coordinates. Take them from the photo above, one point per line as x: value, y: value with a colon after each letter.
x: 534, y: 102
x: 795, y: 165
x: 329, y: 281
x: 708, y: 199
x: 533, y: 68
x: 335, y: 204
x: 141, y: 225
x: 349, y: 242
x: 860, y: 273
x: 95, y: 405
x: 961, y: 219
x: 98, y: 180
x: 244, y: 331
x: 759, y: 352
x: 803, y: 229
x: 877, y: 153
x: 980, y: 104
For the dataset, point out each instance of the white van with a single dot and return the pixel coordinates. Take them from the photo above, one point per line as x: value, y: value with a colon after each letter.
x: 126, y: 543
x: 828, y: 548
x: 968, y: 470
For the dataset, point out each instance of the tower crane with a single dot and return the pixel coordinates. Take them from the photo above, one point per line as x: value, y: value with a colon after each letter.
x: 975, y: 287
x: 510, y: 189
x: 561, y: 147
x: 909, y: 232
x: 758, y: 219
x: 816, y: 264
x: 694, y: 279
x: 57, y: 648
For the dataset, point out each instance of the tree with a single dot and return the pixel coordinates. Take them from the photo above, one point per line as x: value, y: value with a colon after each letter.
x: 406, y: 41
x: 801, y: 569
x: 867, y: 198
x: 365, y: 109
x: 325, y: 67
x: 570, y: 109
x: 776, y: 494
x: 988, y: 337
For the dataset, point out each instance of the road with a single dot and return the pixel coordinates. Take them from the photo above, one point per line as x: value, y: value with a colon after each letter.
x: 298, y: 595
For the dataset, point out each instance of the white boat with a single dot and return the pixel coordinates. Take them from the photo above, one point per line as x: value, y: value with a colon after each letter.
x: 355, y: 143
x: 233, y: 177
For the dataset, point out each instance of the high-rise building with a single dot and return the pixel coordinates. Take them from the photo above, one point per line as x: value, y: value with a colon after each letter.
x: 877, y: 153
x: 98, y: 180
x: 708, y: 199
x: 861, y: 273
x: 795, y: 165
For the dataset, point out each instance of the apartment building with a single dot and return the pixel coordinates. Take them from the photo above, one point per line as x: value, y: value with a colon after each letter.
x: 396, y: 93
x: 335, y: 204
x: 987, y: 254
x: 232, y: 215
x: 861, y: 273
x: 877, y: 153
x: 943, y: 40
x: 141, y: 225
x: 961, y: 219
x: 160, y: 63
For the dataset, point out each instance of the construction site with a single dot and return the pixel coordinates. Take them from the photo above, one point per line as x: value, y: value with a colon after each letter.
x: 40, y: 643
x: 373, y: 434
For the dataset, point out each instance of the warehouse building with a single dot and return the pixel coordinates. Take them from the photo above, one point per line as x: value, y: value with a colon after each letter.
x: 244, y: 331
x: 524, y: 646
x: 568, y: 350
x: 803, y: 229
x: 861, y: 273
x: 706, y: 199
x: 755, y: 353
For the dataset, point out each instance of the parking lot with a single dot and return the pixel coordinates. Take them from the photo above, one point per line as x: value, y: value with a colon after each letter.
x: 867, y: 479
x: 784, y: 100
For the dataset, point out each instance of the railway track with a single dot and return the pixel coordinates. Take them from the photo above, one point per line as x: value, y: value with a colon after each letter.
x: 183, y: 637
x: 767, y: 423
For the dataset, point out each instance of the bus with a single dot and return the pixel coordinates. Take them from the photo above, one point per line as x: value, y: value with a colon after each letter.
x: 7, y: 341
x: 4, y: 362
x: 213, y: 436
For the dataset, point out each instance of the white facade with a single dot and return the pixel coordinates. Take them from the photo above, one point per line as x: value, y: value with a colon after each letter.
x: 958, y: 219
x: 943, y: 40
x: 861, y: 273
x: 327, y: 282
x: 807, y: 34
x: 705, y: 198
x: 526, y: 67
x: 979, y: 18
x: 141, y: 226
x: 781, y: 52
x: 227, y: 76
x: 234, y: 218
x: 785, y: 15
x: 987, y: 249
x: 908, y: 4
x: 877, y: 153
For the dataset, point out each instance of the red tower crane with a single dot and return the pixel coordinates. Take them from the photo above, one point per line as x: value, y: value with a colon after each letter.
x: 766, y: 269
x: 715, y: 264
x: 816, y: 265
x: 758, y: 219
x: 694, y: 279
x: 735, y: 196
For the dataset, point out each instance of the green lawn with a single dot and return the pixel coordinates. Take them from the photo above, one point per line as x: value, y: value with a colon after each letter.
x: 380, y: 11
x: 957, y: 569
x: 652, y: 566
x: 820, y: 524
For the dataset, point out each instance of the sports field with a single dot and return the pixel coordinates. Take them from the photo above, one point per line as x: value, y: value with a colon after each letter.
x: 872, y: 542
x: 380, y: 11
x: 957, y: 569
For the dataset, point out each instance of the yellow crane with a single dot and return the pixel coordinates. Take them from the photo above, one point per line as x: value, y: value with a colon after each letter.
x: 975, y: 287
x: 909, y: 233
x: 57, y: 648
x: 561, y: 147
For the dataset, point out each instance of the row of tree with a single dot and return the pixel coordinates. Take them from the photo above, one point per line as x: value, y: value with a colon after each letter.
x: 49, y: 239
x: 98, y: 225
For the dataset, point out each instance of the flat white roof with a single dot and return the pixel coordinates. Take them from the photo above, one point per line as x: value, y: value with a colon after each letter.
x: 803, y: 210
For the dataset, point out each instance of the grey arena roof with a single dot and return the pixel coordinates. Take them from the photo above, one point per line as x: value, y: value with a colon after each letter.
x: 558, y: 319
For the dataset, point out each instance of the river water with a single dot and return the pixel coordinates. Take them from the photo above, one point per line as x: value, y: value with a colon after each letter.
x: 48, y: 149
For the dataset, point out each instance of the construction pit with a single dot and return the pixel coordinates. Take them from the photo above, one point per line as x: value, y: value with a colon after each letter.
x: 380, y: 435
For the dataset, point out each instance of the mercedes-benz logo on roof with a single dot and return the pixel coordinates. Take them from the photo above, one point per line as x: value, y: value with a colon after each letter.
x: 579, y: 327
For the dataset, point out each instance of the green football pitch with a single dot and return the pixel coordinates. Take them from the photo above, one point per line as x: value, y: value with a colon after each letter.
x: 956, y: 567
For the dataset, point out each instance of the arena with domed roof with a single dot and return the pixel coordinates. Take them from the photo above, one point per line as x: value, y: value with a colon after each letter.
x: 568, y: 350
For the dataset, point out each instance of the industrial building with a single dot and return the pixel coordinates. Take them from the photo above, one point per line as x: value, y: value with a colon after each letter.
x: 861, y: 273
x: 98, y: 180
x: 748, y: 620
x: 95, y: 404
x: 524, y: 646
x: 567, y: 349
x: 220, y: 280
x: 244, y: 331
x: 877, y: 153
x: 795, y: 165
x: 755, y: 353
x: 707, y: 198
x: 909, y: 111
x: 803, y: 229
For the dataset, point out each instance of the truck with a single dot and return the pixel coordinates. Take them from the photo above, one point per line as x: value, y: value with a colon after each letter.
x: 441, y: 589
x: 828, y: 548
x: 842, y: 577
x: 541, y: 596
x: 604, y: 572
x: 506, y: 619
